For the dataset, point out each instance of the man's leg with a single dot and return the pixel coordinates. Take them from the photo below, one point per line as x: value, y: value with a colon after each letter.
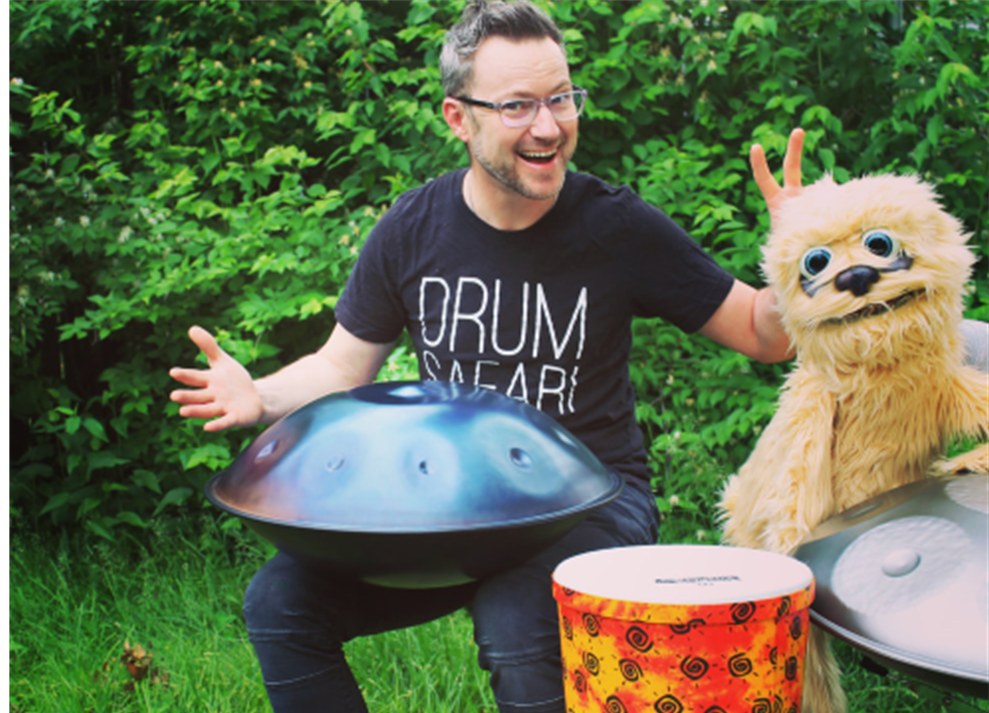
x: 515, y: 616
x: 299, y: 616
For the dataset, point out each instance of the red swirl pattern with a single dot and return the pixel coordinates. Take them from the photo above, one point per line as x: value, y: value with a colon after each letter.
x: 796, y: 628
x: 688, y: 627
x: 638, y: 639
x: 668, y: 704
x: 591, y: 624
x: 740, y: 665
x: 694, y: 668
x: 792, y: 668
x: 630, y: 670
x: 742, y: 612
x: 763, y: 705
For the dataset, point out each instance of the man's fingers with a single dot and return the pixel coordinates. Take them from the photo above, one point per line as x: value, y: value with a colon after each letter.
x: 190, y: 377
x: 760, y: 171
x: 182, y: 396
x: 791, y: 161
x: 220, y: 424
x: 210, y: 410
x: 205, y: 341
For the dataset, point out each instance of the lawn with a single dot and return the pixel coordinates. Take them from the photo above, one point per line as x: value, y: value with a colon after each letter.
x: 156, y: 625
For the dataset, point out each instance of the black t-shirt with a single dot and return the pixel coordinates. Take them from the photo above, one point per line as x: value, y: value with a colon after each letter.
x: 541, y: 314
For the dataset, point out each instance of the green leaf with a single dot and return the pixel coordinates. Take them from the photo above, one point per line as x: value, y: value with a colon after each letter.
x: 100, y: 528
x: 213, y: 454
x: 72, y: 424
x: 95, y: 428
x: 55, y: 502
x: 131, y: 518
x: 146, y: 479
x: 175, y: 496
x: 104, y: 459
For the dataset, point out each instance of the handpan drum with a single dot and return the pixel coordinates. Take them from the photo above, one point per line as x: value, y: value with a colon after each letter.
x: 904, y: 577
x: 414, y: 484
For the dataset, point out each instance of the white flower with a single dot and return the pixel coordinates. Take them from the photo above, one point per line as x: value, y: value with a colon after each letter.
x: 674, y: 501
x: 59, y: 222
x: 84, y: 221
x: 125, y: 234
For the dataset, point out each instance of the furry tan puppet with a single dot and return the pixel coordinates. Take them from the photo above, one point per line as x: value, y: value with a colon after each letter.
x: 869, y: 277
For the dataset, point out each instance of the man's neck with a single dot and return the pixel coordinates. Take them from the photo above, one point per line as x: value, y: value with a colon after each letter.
x: 500, y: 207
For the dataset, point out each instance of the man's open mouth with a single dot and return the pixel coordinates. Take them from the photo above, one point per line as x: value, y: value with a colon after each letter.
x: 871, y: 310
x: 538, y: 156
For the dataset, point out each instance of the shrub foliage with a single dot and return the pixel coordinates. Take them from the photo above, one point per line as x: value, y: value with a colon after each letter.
x: 220, y: 164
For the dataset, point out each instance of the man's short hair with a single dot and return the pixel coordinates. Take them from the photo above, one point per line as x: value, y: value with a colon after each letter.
x: 480, y: 20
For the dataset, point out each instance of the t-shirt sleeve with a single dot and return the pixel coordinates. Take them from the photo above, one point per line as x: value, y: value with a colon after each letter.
x: 371, y: 305
x: 670, y: 275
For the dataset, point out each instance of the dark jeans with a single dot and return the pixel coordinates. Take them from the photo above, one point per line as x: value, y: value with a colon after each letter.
x: 298, y: 618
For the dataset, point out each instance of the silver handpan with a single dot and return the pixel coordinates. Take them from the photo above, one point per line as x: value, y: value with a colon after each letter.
x: 414, y: 484
x: 904, y: 577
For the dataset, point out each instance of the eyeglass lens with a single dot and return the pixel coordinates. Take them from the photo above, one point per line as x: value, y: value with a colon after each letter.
x: 565, y: 107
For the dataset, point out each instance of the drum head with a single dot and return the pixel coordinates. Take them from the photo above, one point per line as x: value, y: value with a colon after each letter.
x: 683, y: 574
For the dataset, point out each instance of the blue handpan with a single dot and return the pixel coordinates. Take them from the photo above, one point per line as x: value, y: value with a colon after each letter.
x: 414, y: 484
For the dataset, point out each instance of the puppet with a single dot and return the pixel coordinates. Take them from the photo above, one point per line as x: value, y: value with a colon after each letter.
x: 869, y: 277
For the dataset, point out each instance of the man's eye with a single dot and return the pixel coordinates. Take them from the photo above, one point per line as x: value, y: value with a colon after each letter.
x: 515, y: 106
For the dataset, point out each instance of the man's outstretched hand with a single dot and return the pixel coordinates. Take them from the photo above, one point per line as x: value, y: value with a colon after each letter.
x: 225, y: 392
x: 772, y: 192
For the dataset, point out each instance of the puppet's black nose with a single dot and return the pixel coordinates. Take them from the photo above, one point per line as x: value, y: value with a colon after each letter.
x: 858, y: 279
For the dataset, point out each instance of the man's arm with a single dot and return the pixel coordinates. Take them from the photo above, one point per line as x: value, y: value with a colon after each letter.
x: 747, y: 321
x: 227, y: 394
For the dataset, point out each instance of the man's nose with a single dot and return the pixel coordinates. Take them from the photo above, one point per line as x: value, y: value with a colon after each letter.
x: 545, y: 125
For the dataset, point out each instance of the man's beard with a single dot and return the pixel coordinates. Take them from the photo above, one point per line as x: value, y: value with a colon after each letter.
x: 509, y: 178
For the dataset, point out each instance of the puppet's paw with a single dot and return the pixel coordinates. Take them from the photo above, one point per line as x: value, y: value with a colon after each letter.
x: 822, y: 677
x: 975, y: 461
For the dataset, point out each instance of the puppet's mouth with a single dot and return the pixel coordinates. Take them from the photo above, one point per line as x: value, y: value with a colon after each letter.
x: 871, y: 310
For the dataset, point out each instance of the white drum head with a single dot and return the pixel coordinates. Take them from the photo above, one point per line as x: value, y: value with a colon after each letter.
x: 683, y: 574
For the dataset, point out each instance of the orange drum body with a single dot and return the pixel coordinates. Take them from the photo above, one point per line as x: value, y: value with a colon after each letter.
x: 683, y: 629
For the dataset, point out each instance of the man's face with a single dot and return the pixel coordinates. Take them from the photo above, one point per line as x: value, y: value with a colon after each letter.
x: 530, y: 161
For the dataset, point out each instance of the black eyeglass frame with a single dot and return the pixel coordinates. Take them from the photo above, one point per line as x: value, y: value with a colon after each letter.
x: 498, y: 106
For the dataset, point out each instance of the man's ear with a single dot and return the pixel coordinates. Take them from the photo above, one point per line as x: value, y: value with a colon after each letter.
x: 456, y: 117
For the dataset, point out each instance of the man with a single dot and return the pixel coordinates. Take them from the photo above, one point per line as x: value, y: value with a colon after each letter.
x: 515, y: 275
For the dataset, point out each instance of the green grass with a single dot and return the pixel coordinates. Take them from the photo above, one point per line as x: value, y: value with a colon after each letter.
x: 75, y: 604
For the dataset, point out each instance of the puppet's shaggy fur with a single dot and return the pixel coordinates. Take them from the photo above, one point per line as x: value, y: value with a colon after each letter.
x: 869, y: 277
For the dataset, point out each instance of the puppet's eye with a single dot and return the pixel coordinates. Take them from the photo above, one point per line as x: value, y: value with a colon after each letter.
x: 880, y: 243
x: 814, y: 262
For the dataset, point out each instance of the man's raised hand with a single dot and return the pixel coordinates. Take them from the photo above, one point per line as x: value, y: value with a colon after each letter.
x: 773, y: 193
x: 225, y: 392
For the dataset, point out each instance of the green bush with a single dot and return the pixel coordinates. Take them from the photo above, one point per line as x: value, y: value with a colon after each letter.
x: 221, y: 164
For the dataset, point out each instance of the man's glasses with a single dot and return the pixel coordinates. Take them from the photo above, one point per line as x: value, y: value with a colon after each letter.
x: 516, y: 113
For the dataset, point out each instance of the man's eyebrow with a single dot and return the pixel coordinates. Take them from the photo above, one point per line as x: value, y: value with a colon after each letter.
x: 560, y: 88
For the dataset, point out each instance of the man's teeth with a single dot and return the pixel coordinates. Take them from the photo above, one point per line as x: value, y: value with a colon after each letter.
x: 534, y: 154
